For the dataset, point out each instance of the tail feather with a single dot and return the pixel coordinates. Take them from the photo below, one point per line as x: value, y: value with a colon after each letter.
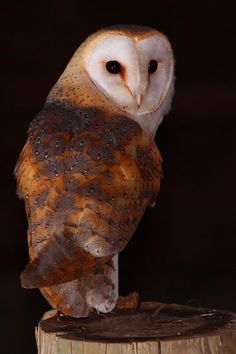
x: 58, y: 263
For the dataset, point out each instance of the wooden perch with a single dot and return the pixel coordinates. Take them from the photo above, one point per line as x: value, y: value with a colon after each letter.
x: 152, y: 328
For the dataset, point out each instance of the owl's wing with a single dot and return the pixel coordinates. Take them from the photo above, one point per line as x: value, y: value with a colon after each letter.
x: 86, y: 179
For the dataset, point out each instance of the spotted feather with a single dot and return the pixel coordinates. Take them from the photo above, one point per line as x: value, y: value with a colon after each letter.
x: 86, y: 179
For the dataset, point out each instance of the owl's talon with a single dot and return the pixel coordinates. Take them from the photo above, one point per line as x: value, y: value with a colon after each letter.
x: 130, y: 302
x: 60, y: 316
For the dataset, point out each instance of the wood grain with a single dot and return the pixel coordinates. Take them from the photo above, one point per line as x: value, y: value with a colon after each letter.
x: 153, y: 328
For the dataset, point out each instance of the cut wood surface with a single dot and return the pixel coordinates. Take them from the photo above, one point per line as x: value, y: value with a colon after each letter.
x: 152, y: 328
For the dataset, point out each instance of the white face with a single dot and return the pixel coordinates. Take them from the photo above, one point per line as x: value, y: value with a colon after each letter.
x: 135, y: 75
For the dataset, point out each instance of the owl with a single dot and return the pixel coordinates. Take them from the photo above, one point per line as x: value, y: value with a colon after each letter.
x: 90, y: 166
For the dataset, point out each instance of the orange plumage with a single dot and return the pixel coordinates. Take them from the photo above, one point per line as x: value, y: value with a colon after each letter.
x: 87, y: 173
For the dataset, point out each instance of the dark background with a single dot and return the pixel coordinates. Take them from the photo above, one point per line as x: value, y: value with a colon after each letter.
x: 184, y: 249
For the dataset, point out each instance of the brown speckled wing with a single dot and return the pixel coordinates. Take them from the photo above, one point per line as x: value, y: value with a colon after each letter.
x: 86, y: 178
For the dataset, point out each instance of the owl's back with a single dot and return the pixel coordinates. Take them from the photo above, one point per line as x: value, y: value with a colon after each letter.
x: 86, y: 178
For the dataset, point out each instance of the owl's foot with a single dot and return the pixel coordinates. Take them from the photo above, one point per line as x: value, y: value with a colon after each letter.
x: 131, y: 301
x: 52, y: 313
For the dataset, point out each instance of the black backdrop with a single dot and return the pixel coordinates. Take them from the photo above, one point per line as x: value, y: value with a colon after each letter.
x: 184, y: 249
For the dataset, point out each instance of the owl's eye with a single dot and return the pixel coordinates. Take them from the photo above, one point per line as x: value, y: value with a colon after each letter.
x: 152, y: 66
x: 113, y: 67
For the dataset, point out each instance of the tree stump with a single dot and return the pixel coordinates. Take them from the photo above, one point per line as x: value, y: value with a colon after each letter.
x: 152, y: 328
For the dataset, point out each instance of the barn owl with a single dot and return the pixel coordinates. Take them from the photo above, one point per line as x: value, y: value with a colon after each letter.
x: 90, y: 166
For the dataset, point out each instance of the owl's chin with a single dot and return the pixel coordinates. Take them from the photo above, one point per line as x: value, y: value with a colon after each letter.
x: 134, y: 110
x: 138, y: 111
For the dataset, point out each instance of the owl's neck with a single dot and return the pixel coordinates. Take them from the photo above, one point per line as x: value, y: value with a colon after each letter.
x: 149, y: 122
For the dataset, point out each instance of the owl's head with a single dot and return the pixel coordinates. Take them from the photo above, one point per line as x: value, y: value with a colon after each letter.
x: 133, y: 67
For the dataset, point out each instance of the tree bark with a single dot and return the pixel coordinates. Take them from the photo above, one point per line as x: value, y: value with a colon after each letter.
x: 152, y: 328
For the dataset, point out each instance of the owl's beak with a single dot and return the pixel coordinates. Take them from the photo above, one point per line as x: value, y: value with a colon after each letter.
x: 138, y: 98
x: 138, y: 90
